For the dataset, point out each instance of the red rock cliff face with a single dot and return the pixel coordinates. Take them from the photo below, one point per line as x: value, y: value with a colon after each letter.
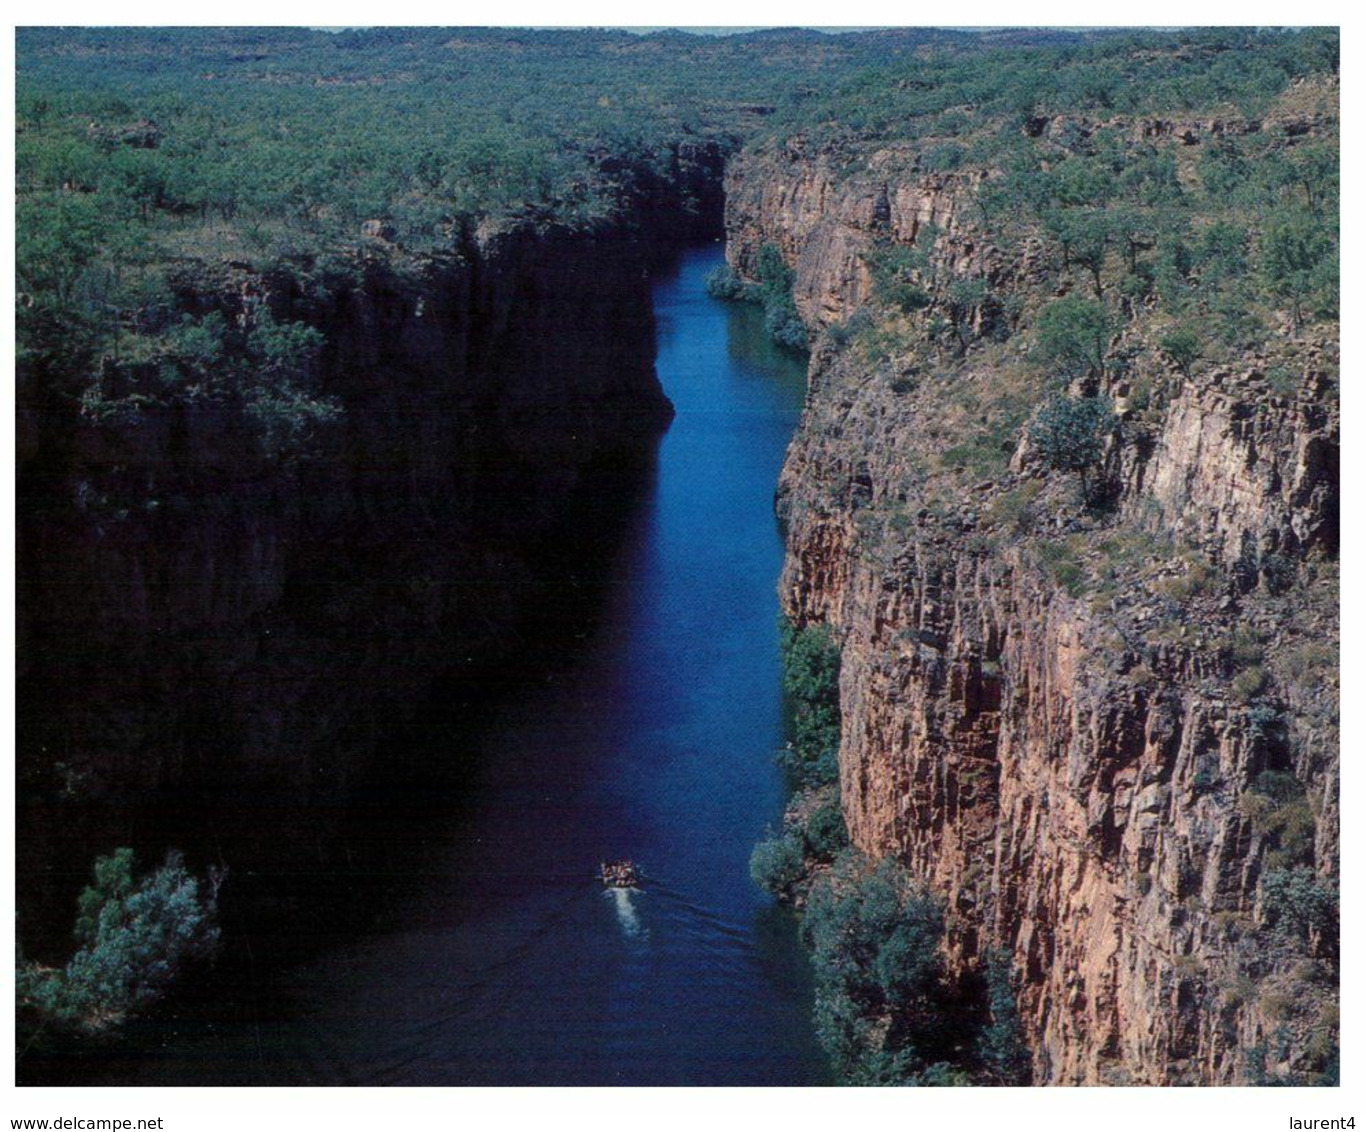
x: 826, y: 222
x: 1069, y: 772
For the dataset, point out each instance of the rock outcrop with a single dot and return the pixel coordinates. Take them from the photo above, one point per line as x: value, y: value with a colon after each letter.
x: 1248, y: 471
x: 827, y: 222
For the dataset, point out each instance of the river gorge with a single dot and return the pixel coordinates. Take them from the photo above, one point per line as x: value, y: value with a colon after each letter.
x: 396, y: 551
x: 650, y: 733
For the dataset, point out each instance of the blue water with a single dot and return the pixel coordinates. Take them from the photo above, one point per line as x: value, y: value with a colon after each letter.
x: 507, y: 963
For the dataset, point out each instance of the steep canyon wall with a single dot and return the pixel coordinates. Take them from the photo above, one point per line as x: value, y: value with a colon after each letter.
x: 1069, y: 765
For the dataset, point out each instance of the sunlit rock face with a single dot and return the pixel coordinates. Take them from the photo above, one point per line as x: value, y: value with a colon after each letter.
x: 1072, y: 781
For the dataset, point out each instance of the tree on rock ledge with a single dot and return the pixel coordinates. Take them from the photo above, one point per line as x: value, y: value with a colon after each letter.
x: 1070, y: 434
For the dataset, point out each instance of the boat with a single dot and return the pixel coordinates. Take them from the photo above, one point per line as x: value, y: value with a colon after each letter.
x: 620, y: 874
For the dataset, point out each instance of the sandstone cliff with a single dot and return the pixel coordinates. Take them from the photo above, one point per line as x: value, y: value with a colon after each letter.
x: 1064, y: 722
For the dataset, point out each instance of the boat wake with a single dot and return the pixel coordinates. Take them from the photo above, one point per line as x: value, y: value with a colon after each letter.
x: 627, y: 917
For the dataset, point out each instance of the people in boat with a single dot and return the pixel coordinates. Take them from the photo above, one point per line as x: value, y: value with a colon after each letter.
x: 619, y: 874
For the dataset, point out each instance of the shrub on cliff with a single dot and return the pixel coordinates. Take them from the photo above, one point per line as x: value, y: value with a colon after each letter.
x: 781, y: 320
x: 860, y: 323
x: 58, y: 243
x: 1085, y: 236
x: 776, y: 865
x: 264, y: 373
x: 1300, y: 906
x: 1000, y: 1045
x: 280, y: 359
x: 785, y: 327
x: 875, y: 939
x: 887, y: 1009
x: 773, y: 290
x: 964, y: 298
x: 1264, y: 1064
x: 1222, y: 253
x: 1279, y: 812
x: 811, y: 674
x: 1182, y: 345
x: 898, y: 272
x: 782, y: 864
x: 823, y: 834
x: 1069, y: 433
x: 775, y: 278
x: 135, y: 936
x: 1299, y: 264
x: 723, y: 283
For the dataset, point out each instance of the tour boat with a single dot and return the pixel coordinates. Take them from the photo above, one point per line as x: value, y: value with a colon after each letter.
x: 620, y: 874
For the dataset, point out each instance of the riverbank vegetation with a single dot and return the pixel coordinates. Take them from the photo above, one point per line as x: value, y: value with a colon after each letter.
x: 888, y: 1010
x: 811, y: 681
x: 772, y: 290
x: 134, y: 936
x: 813, y: 829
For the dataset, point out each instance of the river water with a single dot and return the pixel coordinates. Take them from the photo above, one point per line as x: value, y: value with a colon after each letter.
x: 504, y: 961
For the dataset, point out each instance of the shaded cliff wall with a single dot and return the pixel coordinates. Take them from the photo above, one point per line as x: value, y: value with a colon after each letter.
x: 1069, y: 768
x: 213, y: 641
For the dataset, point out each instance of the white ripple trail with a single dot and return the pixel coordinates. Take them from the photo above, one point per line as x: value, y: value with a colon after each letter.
x: 631, y: 927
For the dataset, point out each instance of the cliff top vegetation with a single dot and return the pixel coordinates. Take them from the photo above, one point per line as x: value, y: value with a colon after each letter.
x: 139, y: 149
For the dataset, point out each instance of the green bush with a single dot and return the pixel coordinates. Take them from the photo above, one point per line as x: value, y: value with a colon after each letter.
x: 824, y: 835
x: 773, y: 290
x: 1299, y: 263
x: 135, y: 936
x: 785, y: 327
x: 776, y: 865
x: 1248, y: 683
x: 875, y: 939
x: 1073, y: 336
x: 875, y: 935
x: 1222, y: 253
x: 781, y: 320
x: 1279, y: 812
x: 1069, y: 433
x: 266, y: 373
x: 1182, y: 345
x: 1299, y: 905
x: 811, y: 668
x: 943, y: 158
x: 775, y: 277
x: 723, y: 283
x: 896, y: 272
x: 1085, y: 236
x: 842, y: 333
x: 1262, y: 721
x: 1001, y: 1046
x: 1278, y: 785
x: 1261, y: 1060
